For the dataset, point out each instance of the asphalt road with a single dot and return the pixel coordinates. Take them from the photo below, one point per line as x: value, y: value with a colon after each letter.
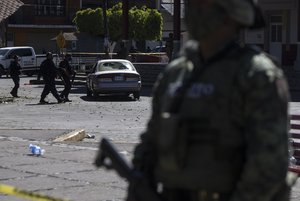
x: 66, y: 170
x: 119, y: 118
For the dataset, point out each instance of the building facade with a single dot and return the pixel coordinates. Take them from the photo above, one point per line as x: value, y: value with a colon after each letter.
x: 281, y: 35
x: 37, y: 21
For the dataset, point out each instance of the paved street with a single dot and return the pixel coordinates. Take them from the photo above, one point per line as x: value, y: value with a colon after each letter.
x: 66, y: 170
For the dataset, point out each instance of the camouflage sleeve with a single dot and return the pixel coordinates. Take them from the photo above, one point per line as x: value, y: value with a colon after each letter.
x: 266, y: 99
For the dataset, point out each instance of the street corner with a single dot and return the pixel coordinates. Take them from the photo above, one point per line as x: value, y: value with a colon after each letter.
x: 73, y: 136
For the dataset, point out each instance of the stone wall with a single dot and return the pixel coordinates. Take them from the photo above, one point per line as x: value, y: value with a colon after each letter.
x: 149, y: 72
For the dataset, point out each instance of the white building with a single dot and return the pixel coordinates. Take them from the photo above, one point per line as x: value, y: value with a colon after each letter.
x: 279, y: 38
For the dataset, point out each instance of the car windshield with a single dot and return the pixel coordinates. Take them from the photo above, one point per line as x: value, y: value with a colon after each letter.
x: 3, y: 52
x: 114, y: 65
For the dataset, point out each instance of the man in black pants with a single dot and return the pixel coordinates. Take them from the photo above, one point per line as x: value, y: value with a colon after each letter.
x: 66, y: 73
x: 15, y: 71
x: 49, y: 72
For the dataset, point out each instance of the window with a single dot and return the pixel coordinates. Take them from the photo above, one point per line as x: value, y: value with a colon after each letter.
x: 21, y: 52
x: 113, y: 66
x: 276, y: 28
x: 3, y: 52
x: 50, y: 7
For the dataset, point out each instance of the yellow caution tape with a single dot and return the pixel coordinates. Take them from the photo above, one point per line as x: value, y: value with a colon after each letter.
x: 11, y: 190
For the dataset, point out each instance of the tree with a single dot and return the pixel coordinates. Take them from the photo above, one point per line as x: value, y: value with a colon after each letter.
x: 90, y: 21
x: 114, y: 16
x: 145, y: 23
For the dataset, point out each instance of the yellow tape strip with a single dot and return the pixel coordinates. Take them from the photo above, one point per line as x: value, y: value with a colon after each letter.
x: 11, y: 190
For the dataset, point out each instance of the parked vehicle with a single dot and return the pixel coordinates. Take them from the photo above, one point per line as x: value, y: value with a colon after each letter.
x: 159, y: 48
x: 29, y: 61
x: 111, y: 76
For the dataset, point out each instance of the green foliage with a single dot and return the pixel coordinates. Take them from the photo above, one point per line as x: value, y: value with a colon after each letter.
x: 117, y: 7
x: 144, y: 23
x: 153, y: 25
x: 115, y: 23
x: 137, y: 23
x: 90, y: 21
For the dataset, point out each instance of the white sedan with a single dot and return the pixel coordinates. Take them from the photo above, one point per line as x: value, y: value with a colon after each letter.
x: 111, y: 76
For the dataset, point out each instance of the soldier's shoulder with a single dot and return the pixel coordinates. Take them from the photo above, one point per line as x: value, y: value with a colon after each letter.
x: 177, y: 63
x: 189, y: 52
x: 260, y: 62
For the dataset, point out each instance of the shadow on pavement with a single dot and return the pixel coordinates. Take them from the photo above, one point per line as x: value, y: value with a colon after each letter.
x: 108, y: 98
x: 49, y: 103
x: 145, y: 91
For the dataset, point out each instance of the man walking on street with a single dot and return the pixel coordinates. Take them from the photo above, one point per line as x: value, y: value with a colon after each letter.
x: 170, y: 46
x: 66, y: 72
x: 15, y: 71
x: 49, y: 72
x: 219, y: 124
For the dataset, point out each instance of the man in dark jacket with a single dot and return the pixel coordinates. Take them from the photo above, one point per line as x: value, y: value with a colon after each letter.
x: 170, y: 46
x: 66, y: 71
x: 49, y: 72
x: 15, y: 71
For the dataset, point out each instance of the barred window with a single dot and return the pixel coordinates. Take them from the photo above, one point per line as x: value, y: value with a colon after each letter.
x: 50, y: 7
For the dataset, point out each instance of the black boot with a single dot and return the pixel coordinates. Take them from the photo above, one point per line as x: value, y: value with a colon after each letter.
x: 42, y: 101
x: 14, y: 94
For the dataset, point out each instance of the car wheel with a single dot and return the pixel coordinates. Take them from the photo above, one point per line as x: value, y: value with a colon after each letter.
x: 136, y: 95
x: 2, y: 71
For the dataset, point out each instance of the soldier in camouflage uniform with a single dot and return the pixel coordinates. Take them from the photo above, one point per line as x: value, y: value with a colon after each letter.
x: 219, y: 125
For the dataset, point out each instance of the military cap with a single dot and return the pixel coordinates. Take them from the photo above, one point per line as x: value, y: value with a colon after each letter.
x: 245, y: 12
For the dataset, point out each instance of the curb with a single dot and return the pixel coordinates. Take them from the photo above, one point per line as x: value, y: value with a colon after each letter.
x: 74, y: 136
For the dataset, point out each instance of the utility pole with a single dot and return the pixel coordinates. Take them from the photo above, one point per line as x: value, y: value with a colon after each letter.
x: 106, y: 49
x: 177, y: 27
x: 158, y: 3
x: 125, y: 10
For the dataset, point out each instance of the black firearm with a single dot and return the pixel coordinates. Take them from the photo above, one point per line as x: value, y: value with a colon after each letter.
x: 109, y: 158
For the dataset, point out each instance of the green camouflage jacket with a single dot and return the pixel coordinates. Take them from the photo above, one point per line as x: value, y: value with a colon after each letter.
x: 228, y: 132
